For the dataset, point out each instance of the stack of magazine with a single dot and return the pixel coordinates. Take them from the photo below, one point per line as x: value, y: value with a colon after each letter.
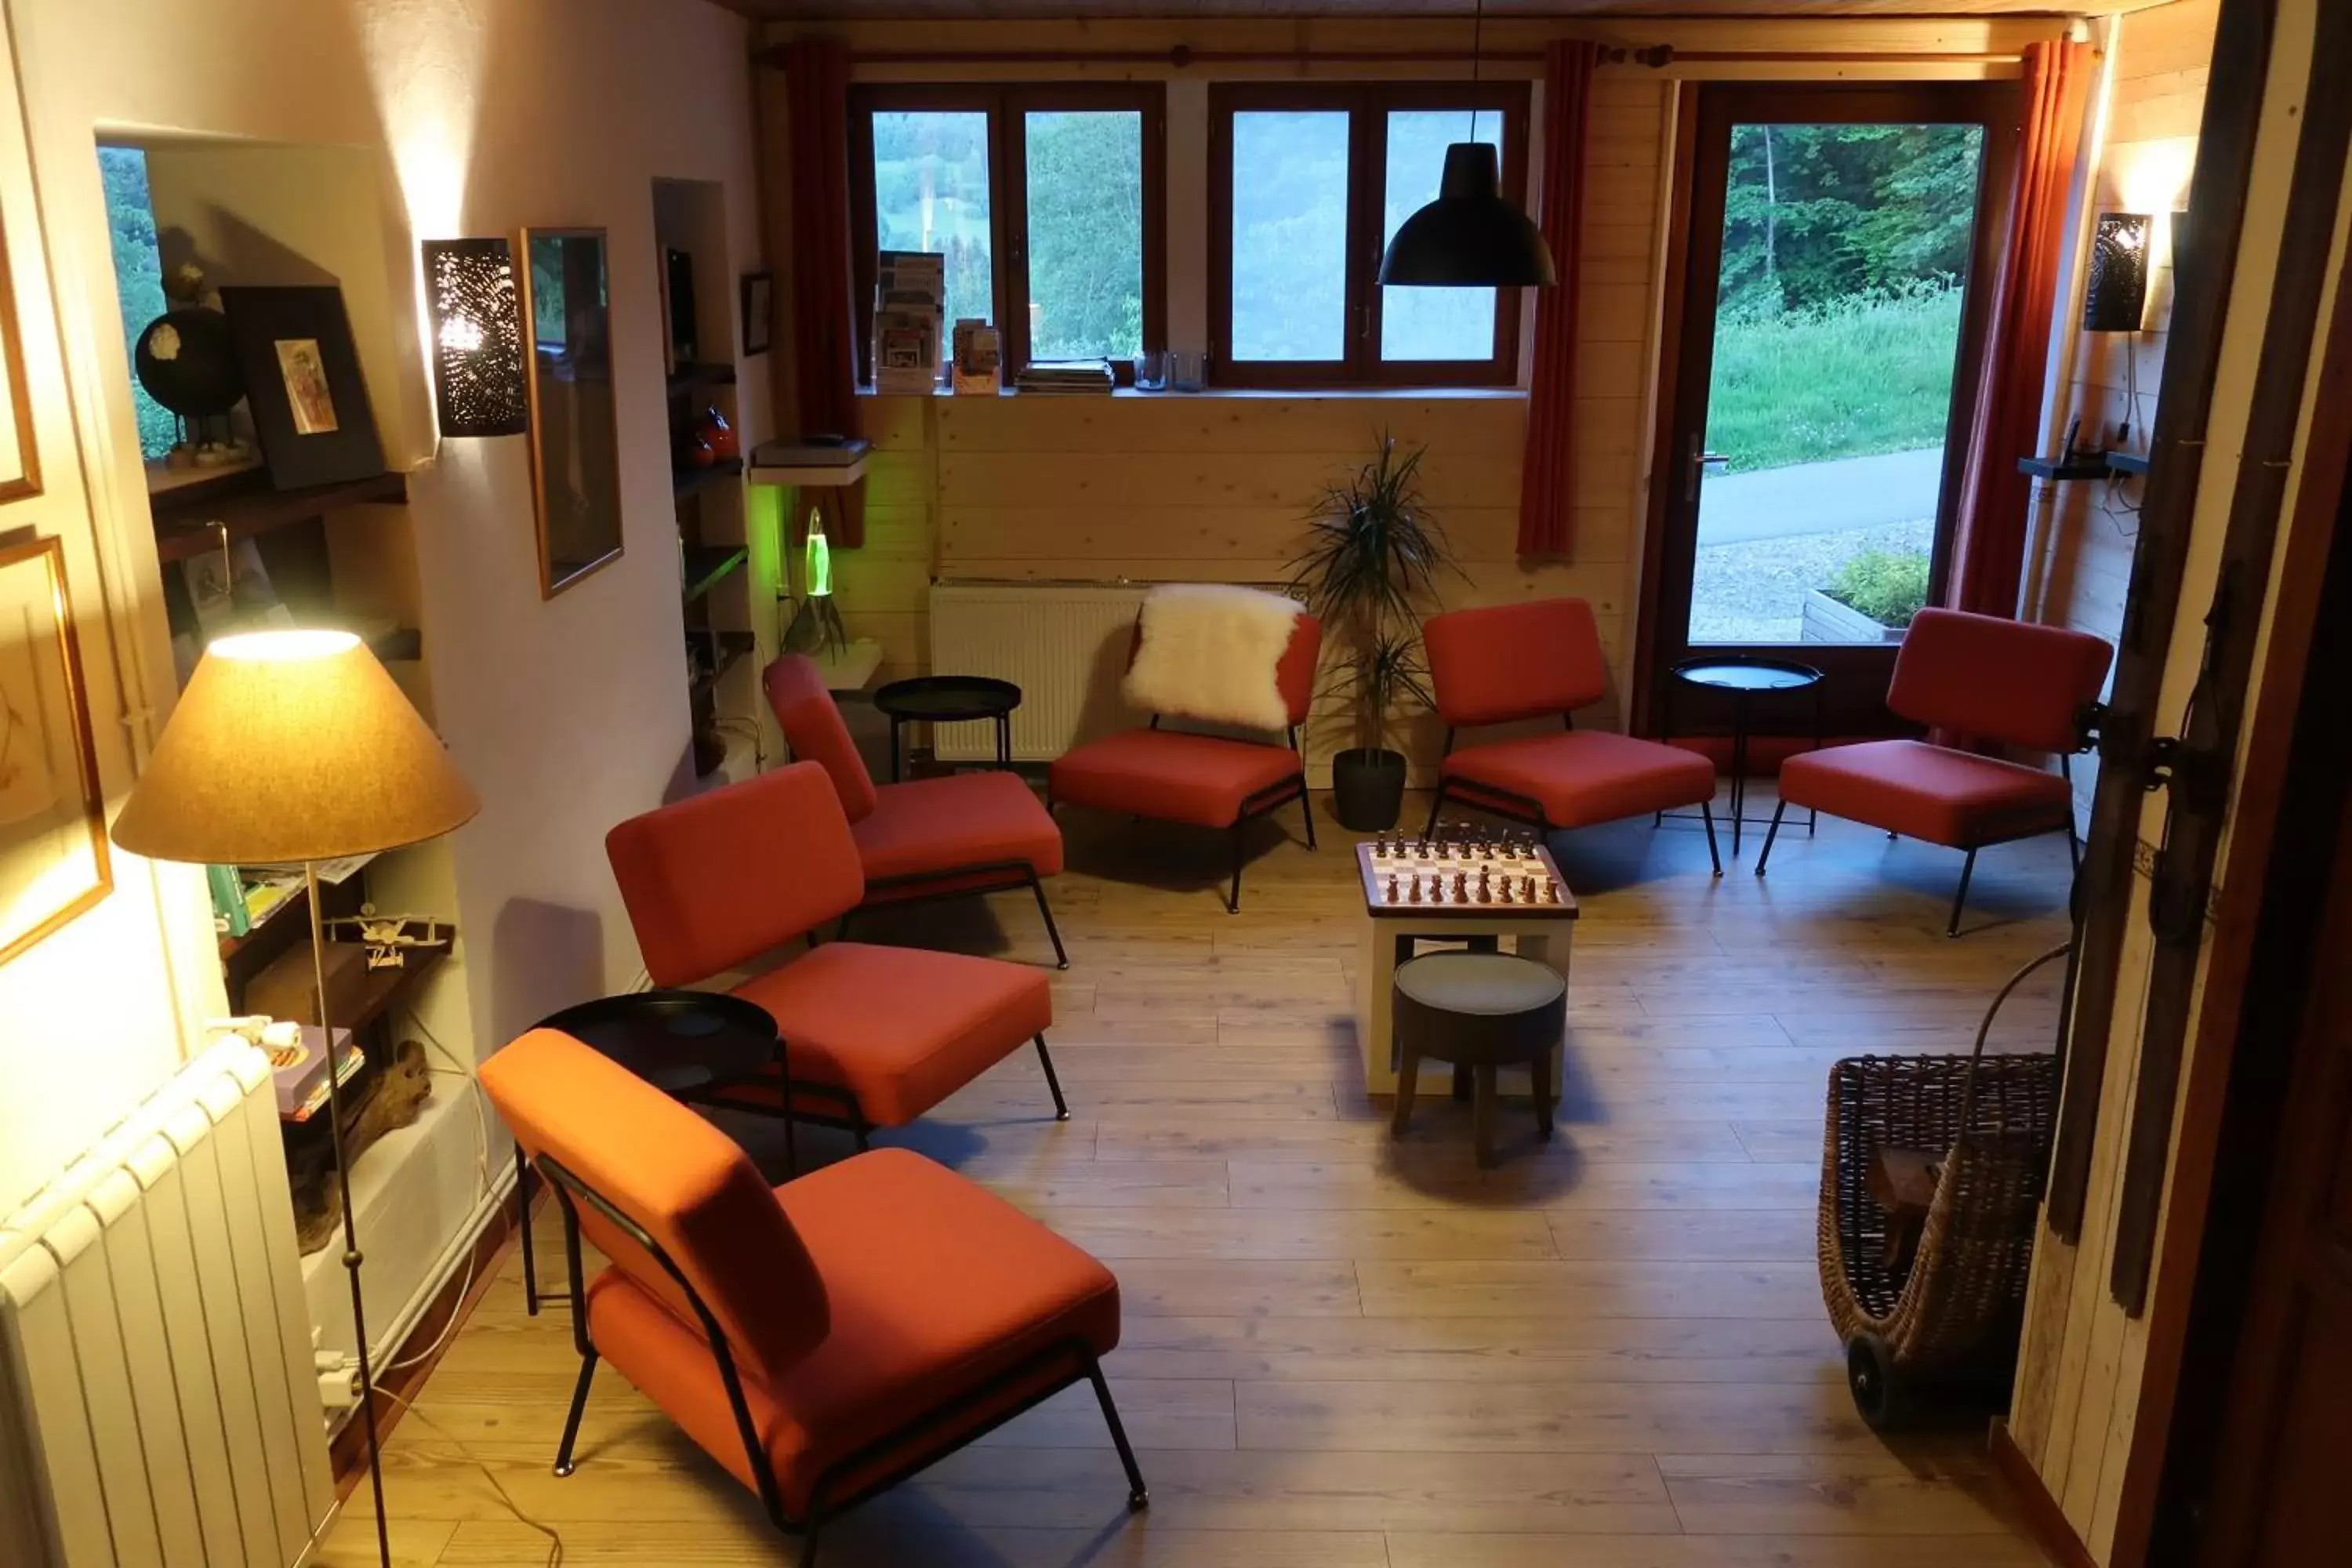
x: 910, y: 302
x: 1065, y: 377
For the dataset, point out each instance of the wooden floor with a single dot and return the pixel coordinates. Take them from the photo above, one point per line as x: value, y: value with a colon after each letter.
x: 1342, y: 1351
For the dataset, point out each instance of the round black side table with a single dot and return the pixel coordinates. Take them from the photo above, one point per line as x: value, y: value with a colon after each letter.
x: 1743, y: 676
x: 688, y: 1044
x: 950, y: 700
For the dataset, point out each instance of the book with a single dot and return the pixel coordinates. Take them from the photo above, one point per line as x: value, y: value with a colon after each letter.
x: 299, y: 1067
x: 979, y: 358
x: 909, y: 306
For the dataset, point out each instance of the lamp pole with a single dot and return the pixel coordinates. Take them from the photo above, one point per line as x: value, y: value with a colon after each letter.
x: 351, y: 1255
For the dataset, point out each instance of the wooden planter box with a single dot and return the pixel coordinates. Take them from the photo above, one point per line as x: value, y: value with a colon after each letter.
x: 1826, y: 620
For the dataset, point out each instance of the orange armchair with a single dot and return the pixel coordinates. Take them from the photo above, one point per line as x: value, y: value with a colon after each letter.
x: 877, y: 1036
x: 2014, y: 682
x: 927, y: 838
x: 822, y: 1341
x: 1209, y: 781
x: 1508, y: 662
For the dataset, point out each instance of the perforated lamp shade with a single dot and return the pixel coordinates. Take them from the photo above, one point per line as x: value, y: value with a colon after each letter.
x: 288, y: 746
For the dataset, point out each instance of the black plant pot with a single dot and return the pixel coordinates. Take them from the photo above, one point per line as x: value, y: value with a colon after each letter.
x: 1367, y: 788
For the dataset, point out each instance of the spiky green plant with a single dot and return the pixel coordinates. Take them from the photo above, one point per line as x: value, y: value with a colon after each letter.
x: 1370, y: 560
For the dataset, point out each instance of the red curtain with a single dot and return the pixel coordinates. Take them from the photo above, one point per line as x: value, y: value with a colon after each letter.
x: 1988, y: 555
x: 1548, y: 470
x: 824, y: 364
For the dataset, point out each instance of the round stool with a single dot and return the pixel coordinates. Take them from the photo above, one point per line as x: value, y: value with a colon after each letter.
x: 1479, y: 1011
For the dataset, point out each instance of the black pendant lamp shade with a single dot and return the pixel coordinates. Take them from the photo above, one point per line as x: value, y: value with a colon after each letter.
x: 1469, y: 237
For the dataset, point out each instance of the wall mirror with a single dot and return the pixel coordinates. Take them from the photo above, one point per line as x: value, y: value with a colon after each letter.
x: 574, y: 434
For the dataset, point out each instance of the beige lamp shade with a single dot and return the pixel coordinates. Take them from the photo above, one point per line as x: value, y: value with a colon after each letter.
x: 291, y: 745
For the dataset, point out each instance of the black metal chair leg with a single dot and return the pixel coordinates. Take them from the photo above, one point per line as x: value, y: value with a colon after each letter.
x: 1770, y: 834
x: 1436, y: 804
x: 1706, y: 814
x: 1138, y: 1497
x: 579, y: 1407
x: 2073, y: 843
x: 1233, y: 898
x: 1968, y: 869
x: 1046, y: 1060
x: 522, y: 1222
x: 808, y: 1549
x: 841, y: 931
x: 864, y: 1135
x: 1061, y: 956
x: 1306, y: 809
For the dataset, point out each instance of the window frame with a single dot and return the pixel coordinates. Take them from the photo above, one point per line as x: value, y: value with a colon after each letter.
x: 1007, y: 106
x: 1367, y: 106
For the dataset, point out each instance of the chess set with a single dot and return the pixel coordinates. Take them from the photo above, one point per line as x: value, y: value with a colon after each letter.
x: 1462, y: 873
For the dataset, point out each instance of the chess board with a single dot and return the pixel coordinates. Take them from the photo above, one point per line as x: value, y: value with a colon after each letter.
x: 1467, y: 876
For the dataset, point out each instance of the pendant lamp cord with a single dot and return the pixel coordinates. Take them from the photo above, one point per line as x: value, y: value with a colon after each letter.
x: 1477, y: 33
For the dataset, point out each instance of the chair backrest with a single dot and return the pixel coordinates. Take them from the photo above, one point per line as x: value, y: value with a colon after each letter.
x: 1294, y: 674
x: 721, y: 878
x: 1501, y: 662
x: 681, y: 1181
x: 1996, y: 680
x: 813, y: 726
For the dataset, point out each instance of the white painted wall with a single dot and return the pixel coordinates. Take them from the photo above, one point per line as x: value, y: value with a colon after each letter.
x: 478, y: 117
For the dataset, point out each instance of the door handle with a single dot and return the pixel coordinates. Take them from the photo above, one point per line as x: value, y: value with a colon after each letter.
x: 1697, y: 466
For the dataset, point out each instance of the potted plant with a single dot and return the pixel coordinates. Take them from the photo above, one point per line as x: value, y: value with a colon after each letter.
x: 1371, y: 559
x: 1872, y: 598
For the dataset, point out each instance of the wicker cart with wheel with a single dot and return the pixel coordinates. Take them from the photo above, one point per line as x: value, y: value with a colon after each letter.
x: 1932, y: 1171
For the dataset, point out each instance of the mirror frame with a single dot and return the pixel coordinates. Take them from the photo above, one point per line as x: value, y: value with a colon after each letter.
x: 549, y: 586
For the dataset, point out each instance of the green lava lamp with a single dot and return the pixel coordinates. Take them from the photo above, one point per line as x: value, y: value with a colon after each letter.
x: 817, y: 628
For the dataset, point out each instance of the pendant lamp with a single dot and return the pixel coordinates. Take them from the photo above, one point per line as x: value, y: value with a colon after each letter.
x: 1469, y: 237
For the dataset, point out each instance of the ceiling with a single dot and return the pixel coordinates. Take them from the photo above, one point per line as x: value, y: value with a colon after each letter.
x: 1685, y: 10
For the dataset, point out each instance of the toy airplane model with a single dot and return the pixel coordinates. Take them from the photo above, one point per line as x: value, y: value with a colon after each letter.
x: 388, y: 938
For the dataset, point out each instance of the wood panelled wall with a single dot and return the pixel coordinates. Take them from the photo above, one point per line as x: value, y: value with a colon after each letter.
x: 2082, y: 554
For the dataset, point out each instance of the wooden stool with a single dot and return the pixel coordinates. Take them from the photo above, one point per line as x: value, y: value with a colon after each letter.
x: 1479, y: 1011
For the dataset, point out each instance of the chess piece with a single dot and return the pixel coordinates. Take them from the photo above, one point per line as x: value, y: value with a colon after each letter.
x: 1412, y: 895
x: 1388, y: 894
x: 1485, y: 897
x: 1526, y: 889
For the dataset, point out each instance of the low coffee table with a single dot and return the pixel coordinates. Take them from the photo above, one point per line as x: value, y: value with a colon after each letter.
x: 950, y: 700
x: 688, y: 1044
x: 1526, y: 900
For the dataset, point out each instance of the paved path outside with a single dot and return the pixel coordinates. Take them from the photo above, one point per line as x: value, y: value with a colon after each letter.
x: 1821, y: 498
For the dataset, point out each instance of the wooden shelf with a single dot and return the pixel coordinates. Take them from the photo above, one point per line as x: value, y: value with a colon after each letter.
x: 707, y: 565
x: 733, y: 646
x: 2128, y: 462
x: 244, y: 503
x: 684, y: 482
x: 357, y: 995
x: 691, y: 374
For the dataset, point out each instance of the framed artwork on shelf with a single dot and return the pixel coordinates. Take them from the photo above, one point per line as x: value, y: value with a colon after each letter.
x: 53, y: 852
x: 759, y: 311
x: 304, y: 385
x: 20, y: 467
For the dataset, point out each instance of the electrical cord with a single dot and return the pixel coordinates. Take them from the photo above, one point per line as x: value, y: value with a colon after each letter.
x: 482, y: 1172
x: 554, y: 1541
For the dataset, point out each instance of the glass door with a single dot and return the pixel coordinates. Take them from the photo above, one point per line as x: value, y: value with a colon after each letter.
x: 1832, y: 309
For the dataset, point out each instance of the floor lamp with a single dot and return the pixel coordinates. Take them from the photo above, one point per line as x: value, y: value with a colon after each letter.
x: 293, y: 746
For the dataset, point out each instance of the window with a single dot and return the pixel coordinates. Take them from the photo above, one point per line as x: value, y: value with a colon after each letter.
x: 138, y: 280
x: 1307, y: 186
x: 1045, y: 201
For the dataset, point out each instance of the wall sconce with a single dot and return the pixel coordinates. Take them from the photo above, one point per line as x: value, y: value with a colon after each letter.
x: 2118, y: 292
x: 478, y: 346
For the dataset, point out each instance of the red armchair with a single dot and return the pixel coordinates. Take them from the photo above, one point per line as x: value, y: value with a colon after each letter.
x: 1508, y: 662
x: 822, y: 1341
x: 876, y: 1036
x: 928, y: 838
x: 1210, y: 781
x: 2014, y: 682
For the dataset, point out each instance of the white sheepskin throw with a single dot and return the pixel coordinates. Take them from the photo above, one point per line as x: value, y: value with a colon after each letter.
x: 1209, y: 652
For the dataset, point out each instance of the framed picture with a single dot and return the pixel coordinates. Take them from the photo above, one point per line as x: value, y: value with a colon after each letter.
x: 53, y: 855
x: 304, y: 384
x: 19, y: 469
x: 759, y: 311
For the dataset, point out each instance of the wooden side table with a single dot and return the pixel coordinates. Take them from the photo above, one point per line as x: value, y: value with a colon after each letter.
x: 1482, y: 1012
x: 1392, y: 930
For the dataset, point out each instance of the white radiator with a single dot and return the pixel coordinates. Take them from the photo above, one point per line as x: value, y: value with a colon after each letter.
x: 158, y: 1404
x: 1064, y: 645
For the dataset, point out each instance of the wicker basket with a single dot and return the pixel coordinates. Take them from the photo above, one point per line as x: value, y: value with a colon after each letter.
x: 1951, y: 1317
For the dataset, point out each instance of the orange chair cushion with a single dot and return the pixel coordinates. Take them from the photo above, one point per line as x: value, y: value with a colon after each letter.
x: 932, y: 828
x: 717, y: 878
x: 1585, y: 776
x: 900, y: 1027
x: 1955, y: 798
x: 937, y: 1286
x: 1993, y: 679
x: 812, y: 727
x: 1501, y: 662
x: 1171, y: 775
x: 682, y: 1180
